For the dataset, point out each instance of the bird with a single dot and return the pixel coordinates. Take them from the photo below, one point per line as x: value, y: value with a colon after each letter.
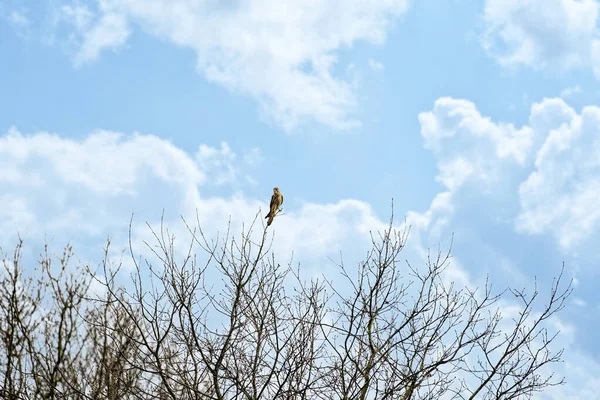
x: 276, y: 202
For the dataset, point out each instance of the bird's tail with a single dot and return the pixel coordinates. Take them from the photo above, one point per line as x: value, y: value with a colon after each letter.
x: 270, y: 221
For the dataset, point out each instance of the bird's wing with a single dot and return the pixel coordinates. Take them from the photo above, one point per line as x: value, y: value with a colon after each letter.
x: 273, y: 201
x: 281, y: 198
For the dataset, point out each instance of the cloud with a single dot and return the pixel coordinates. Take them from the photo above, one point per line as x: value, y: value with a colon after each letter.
x: 376, y: 65
x: 542, y: 33
x: 470, y: 146
x: 105, y: 162
x: 88, y: 187
x: 253, y: 157
x: 560, y: 195
x: 579, y: 303
x: 519, y: 200
x: 570, y: 91
x: 95, y: 33
x: 282, y: 53
x: 91, y: 186
x: 582, y: 379
x: 111, y: 31
x: 504, y: 187
x: 80, y: 16
x: 83, y: 190
x: 545, y: 175
x: 222, y: 163
x: 18, y: 19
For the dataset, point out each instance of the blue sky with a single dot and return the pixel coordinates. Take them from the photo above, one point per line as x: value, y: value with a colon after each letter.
x: 479, y: 118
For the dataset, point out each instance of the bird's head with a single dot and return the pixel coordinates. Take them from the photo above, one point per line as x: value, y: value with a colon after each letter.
x: 275, y: 190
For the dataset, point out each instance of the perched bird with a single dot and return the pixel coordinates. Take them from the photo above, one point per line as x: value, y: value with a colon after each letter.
x: 276, y: 202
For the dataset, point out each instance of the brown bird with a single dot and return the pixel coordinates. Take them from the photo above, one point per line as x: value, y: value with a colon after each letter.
x: 276, y: 202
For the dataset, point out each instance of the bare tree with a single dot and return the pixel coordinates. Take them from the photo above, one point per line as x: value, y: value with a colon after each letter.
x: 407, y: 333
x: 111, y: 344
x: 42, y: 335
x: 19, y: 302
x: 231, y: 322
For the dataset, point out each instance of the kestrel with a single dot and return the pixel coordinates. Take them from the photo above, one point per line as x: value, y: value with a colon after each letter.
x: 276, y: 202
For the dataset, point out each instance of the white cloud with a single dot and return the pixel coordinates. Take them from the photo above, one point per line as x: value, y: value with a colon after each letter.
x: 596, y: 57
x: 494, y: 200
x: 95, y: 33
x: 541, y: 178
x: 223, y: 166
x: 19, y: 19
x: 212, y: 158
x: 542, y: 33
x: 93, y: 185
x: 579, y: 302
x: 80, y: 16
x: 582, y: 374
x: 87, y: 189
x: 570, y: 91
x: 561, y: 194
x: 110, y: 31
x: 14, y: 211
x: 105, y: 162
x: 282, y: 53
x: 546, y: 175
x: 470, y: 146
x: 376, y: 65
x: 253, y: 157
